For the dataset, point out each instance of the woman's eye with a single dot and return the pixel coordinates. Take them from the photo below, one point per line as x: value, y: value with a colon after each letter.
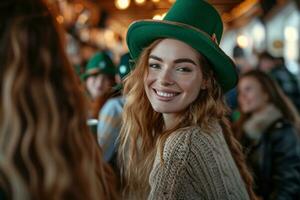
x: 184, y: 69
x: 154, y: 65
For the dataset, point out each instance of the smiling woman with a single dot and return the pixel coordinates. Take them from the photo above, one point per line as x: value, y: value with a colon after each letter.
x: 175, y: 141
x: 174, y: 78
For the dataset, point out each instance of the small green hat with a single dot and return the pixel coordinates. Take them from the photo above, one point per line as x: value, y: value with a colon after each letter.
x: 124, y: 66
x: 99, y: 63
x: 194, y: 22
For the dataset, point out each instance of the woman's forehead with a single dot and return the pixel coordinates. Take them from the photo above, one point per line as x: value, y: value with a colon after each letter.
x: 173, y: 49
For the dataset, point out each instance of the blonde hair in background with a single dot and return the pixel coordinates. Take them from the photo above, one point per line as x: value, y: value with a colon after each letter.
x: 46, y: 148
x: 142, y: 131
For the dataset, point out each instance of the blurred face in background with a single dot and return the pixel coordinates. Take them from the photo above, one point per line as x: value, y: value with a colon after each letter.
x: 266, y: 64
x: 251, y: 97
x: 98, y: 84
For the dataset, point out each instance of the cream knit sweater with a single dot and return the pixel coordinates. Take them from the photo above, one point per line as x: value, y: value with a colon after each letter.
x: 197, y: 165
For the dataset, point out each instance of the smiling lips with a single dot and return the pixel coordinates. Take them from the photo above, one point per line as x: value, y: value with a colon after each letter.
x: 165, y: 96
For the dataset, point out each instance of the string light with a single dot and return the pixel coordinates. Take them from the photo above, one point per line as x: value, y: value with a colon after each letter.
x: 122, y: 4
x: 60, y: 19
x: 242, y: 41
x: 139, y: 2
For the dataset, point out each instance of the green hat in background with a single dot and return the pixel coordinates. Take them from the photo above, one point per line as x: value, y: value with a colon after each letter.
x: 124, y: 66
x: 99, y: 63
x: 194, y: 22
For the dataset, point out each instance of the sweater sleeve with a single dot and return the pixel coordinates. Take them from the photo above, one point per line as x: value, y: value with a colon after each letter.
x: 192, y: 169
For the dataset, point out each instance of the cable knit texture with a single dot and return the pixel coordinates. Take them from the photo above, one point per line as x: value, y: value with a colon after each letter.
x: 197, y: 165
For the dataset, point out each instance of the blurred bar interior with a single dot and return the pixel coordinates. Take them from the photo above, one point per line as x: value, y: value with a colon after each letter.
x: 253, y: 25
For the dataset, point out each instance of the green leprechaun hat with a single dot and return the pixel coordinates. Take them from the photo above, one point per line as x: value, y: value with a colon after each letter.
x: 194, y: 22
x: 99, y: 63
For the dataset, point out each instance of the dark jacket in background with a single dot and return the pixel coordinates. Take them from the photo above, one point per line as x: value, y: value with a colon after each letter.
x: 275, y: 161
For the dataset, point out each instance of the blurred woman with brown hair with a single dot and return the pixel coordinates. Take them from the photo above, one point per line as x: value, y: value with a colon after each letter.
x: 269, y: 130
x: 46, y: 149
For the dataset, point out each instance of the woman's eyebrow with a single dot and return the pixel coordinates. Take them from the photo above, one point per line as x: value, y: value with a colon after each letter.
x: 155, y: 58
x: 181, y: 60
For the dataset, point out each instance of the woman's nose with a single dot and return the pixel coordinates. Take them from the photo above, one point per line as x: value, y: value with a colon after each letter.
x: 166, y: 77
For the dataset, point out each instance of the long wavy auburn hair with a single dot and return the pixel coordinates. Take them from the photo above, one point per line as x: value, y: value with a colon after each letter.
x: 142, y: 133
x: 276, y: 97
x: 46, y: 148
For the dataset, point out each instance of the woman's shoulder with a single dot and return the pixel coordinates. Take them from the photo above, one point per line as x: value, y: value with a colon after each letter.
x: 283, y: 135
x: 203, y: 154
x: 113, y: 106
x: 197, y: 133
x: 115, y: 101
x: 188, y: 138
x: 282, y: 128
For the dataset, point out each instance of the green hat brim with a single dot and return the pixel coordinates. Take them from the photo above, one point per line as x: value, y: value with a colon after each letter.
x: 90, y: 73
x: 94, y: 72
x: 142, y: 33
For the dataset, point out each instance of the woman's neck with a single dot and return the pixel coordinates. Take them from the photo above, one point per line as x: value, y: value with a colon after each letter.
x: 170, y: 120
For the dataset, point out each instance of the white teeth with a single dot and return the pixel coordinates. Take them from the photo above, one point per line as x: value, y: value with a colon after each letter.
x: 165, y: 94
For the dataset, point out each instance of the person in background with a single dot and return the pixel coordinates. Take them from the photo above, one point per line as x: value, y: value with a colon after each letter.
x: 276, y: 68
x: 241, y: 60
x: 110, y: 116
x: 46, y: 148
x: 99, y: 79
x: 269, y: 130
x: 175, y: 141
x: 110, y: 119
x: 242, y: 65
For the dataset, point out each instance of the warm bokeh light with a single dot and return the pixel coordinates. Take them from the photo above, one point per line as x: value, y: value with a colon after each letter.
x: 155, y: 1
x: 172, y: 1
x: 84, y: 17
x: 122, y: 4
x: 242, y: 41
x: 60, y: 19
x: 84, y: 35
x: 139, y: 2
x: 108, y: 36
x: 157, y: 17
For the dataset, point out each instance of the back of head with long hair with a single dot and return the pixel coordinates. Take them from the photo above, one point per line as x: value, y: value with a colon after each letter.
x: 276, y: 97
x: 142, y: 133
x: 46, y: 149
